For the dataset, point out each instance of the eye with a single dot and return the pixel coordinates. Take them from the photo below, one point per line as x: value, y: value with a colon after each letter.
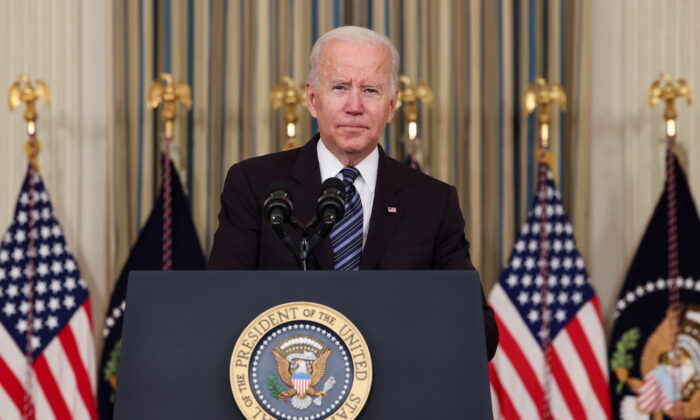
x: 371, y: 90
x: 339, y: 88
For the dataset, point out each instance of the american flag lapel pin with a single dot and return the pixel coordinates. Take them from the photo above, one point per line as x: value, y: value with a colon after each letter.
x: 390, y: 209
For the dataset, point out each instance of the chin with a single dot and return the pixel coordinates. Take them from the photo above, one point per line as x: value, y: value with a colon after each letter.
x: 355, y: 145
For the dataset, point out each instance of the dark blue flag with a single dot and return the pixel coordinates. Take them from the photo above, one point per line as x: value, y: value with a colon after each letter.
x: 647, y: 379
x: 146, y: 255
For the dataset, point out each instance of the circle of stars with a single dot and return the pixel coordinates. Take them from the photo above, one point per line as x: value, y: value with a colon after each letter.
x: 653, y: 286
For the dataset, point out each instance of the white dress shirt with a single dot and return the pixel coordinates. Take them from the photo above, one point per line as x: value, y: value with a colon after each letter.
x: 365, y: 183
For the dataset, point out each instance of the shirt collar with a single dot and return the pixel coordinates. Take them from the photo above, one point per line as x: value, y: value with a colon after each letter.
x: 330, y: 165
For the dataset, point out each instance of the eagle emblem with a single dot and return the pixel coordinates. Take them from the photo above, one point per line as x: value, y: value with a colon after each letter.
x: 670, y: 382
x: 301, y: 364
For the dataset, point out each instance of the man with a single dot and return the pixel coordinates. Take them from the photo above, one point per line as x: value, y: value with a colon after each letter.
x: 395, y: 218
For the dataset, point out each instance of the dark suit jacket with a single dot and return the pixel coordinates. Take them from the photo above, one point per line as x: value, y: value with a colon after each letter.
x: 425, y: 232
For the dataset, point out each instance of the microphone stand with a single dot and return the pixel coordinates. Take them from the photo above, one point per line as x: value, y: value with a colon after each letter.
x: 278, y: 207
x: 308, y: 243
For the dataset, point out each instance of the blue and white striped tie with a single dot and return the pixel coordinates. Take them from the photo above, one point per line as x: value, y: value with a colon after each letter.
x: 346, y: 236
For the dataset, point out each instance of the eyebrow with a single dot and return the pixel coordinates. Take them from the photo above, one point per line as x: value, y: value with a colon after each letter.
x: 345, y: 82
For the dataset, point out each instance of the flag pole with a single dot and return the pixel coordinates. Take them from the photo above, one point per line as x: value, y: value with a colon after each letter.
x: 540, y: 96
x: 286, y: 94
x: 24, y: 91
x: 665, y: 89
x: 164, y: 91
x: 409, y: 96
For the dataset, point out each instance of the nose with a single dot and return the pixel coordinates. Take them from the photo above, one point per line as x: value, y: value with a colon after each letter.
x: 354, y: 105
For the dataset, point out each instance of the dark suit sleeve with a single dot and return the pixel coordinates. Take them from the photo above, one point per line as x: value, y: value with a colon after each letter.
x: 452, y: 253
x: 237, y: 240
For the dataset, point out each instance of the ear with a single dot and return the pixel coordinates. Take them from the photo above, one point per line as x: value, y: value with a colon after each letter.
x: 392, y: 106
x: 311, y: 100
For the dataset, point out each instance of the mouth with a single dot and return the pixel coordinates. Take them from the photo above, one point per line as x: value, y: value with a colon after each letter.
x: 352, y: 127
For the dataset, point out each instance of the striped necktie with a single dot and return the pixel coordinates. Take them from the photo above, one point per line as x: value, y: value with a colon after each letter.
x: 346, y: 236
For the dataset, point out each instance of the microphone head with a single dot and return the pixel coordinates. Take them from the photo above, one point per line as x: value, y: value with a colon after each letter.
x: 334, y: 183
x: 331, y: 203
x: 278, y: 204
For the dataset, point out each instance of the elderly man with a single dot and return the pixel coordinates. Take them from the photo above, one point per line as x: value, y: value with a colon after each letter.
x: 395, y: 218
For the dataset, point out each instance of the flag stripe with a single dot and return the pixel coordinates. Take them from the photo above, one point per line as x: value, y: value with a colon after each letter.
x: 577, y: 371
x: 506, y: 310
x: 48, y: 384
x: 594, y: 333
x: 41, y: 404
x: 11, y: 384
x: 598, y: 381
x: 507, y: 410
x: 567, y: 390
x: 515, y: 389
x: 495, y: 406
x: 510, y: 347
x: 70, y: 347
x: 81, y: 326
x: 62, y: 372
x: 596, y: 307
x: 8, y: 407
x: 14, y: 362
x: 88, y: 312
x: 557, y: 404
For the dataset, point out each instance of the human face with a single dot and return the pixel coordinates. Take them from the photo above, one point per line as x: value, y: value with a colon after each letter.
x: 352, y: 98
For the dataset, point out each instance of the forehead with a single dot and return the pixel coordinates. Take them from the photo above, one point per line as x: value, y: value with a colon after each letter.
x: 343, y: 59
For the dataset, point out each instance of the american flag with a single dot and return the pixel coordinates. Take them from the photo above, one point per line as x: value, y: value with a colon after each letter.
x: 41, y: 287
x: 571, y: 381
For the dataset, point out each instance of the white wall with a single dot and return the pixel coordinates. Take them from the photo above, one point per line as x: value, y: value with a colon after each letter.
x: 632, y: 42
x: 65, y: 44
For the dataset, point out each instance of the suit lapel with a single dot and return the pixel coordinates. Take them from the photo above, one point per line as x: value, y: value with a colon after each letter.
x: 384, y: 221
x: 307, y: 175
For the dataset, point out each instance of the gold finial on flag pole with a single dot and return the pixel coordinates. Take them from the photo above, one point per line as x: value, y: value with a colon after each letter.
x: 23, y: 90
x: 285, y: 93
x: 665, y: 89
x: 164, y: 91
x: 409, y: 96
x: 540, y: 95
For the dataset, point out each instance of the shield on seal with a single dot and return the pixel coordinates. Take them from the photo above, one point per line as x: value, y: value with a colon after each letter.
x: 301, y: 382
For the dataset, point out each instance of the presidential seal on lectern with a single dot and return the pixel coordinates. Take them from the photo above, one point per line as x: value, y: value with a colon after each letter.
x: 300, y: 361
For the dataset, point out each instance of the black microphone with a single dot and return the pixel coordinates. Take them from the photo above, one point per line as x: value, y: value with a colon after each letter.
x: 331, y: 203
x: 278, y: 204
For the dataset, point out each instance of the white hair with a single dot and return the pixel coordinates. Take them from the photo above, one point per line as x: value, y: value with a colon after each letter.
x: 358, y: 35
